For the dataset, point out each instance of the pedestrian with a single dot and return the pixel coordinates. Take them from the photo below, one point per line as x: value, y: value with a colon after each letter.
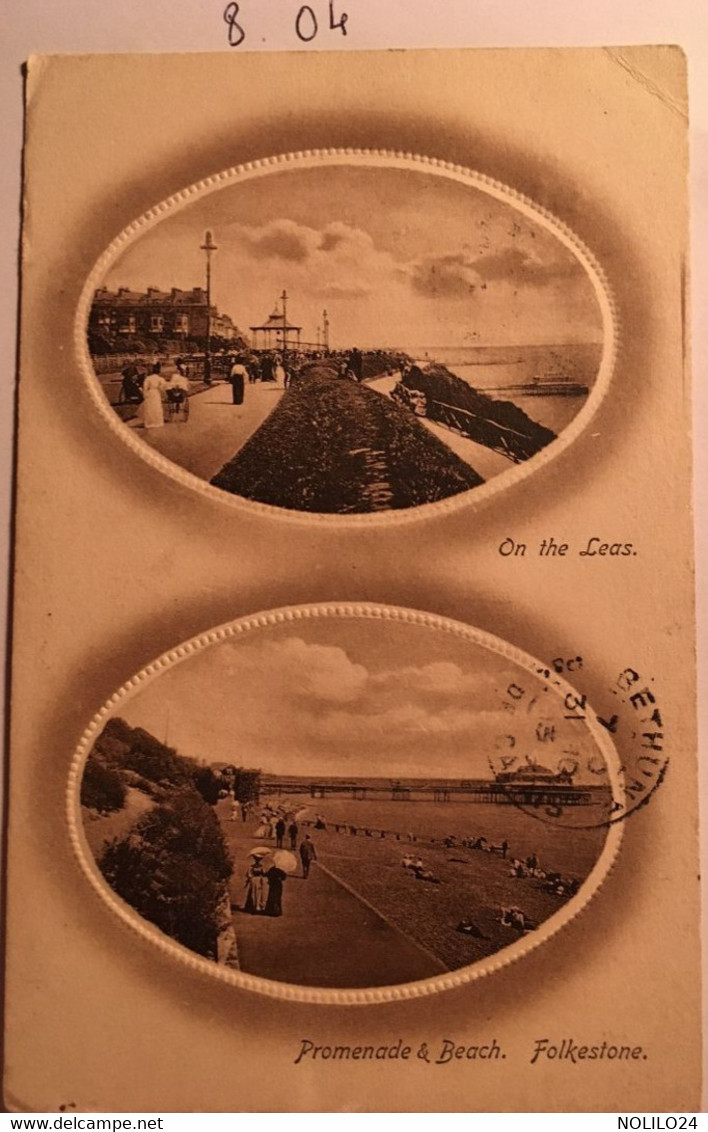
x: 292, y: 833
x: 131, y: 386
x: 238, y: 375
x: 256, y: 889
x: 355, y: 364
x: 153, y: 416
x: 279, y: 833
x: 274, y: 902
x: 504, y: 848
x: 278, y: 371
x: 308, y: 854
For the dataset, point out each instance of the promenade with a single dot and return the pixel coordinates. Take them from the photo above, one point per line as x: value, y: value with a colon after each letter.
x: 216, y: 429
x: 328, y: 936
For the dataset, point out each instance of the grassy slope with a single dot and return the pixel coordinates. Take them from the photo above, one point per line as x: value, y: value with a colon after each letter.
x: 334, y: 446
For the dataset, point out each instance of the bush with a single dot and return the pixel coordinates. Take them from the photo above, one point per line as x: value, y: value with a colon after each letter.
x: 207, y: 784
x: 172, y: 868
x: 101, y: 786
x: 153, y: 760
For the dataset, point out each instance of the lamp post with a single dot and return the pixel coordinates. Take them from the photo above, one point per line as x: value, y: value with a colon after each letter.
x: 208, y: 247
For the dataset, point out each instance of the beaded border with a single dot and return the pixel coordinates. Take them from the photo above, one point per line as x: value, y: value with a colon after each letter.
x: 311, y: 158
x: 305, y: 994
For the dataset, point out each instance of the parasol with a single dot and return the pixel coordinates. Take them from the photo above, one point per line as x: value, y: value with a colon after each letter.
x: 282, y: 859
x: 260, y: 851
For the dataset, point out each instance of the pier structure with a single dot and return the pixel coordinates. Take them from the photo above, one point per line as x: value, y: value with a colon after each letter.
x: 518, y: 793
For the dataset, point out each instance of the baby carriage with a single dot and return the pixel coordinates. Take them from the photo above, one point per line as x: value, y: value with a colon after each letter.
x: 177, y: 405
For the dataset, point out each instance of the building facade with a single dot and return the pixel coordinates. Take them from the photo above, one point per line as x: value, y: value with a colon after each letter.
x: 155, y: 314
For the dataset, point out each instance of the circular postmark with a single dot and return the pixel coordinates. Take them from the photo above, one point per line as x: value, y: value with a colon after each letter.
x: 568, y: 785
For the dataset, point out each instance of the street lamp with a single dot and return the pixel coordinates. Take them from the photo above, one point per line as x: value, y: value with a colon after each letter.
x: 208, y: 247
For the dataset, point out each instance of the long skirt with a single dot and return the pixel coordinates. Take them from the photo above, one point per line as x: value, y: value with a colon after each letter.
x: 152, y: 409
x: 256, y: 895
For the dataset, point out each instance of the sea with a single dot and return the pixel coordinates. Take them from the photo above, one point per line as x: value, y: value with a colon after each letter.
x: 494, y: 369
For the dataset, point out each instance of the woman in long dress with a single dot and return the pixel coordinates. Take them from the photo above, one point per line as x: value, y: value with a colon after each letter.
x: 153, y: 416
x: 255, y: 889
x: 274, y: 903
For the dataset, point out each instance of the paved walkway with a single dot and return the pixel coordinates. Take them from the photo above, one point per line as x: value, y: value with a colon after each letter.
x: 485, y: 461
x: 328, y: 936
x: 216, y: 428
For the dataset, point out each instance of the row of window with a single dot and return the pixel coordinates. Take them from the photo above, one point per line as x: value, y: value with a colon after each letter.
x: 128, y: 324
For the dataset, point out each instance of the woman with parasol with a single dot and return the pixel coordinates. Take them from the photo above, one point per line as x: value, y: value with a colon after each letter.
x: 276, y: 868
x: 256, y: 884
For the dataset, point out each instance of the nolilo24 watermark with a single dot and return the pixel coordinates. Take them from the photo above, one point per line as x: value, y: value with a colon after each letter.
x: 657, y: 1123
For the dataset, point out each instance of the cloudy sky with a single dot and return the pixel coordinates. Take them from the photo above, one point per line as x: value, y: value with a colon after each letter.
x: 354, y: 697
x: 397, y: 258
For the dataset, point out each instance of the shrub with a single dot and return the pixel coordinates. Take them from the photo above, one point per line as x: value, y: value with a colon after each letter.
x: 207, y: 784
x: 172, y: 868
x: 153, y: 760
x: 101, y: 786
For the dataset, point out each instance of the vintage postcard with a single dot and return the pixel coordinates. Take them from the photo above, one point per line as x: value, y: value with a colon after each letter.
x: 353, y: 633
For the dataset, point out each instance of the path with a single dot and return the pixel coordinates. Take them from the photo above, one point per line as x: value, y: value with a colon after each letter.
x: 484, y: 460
x: 328, y: 936
x: 216, y: 428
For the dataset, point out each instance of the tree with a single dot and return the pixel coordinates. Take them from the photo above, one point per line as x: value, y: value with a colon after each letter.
x: 207, y: 784
x: 247, y: 784
x: 172, y: 868
x: 101, y: 787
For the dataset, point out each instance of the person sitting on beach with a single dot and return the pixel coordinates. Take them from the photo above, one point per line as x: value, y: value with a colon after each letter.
x: 517, y: 868
x: 407, y: 861
x: 418, y: 866
x: 516, y: 919
x: 319, y: 822
x: 479, y: 843
x: 450, y: 841
x: 468, y: 927
x: 426, y: 874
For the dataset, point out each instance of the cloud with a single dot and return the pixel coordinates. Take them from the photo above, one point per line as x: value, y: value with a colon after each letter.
x: 337, y: 261
x: 281, y: 239
x: 293, y: 706
x: 459, y: 274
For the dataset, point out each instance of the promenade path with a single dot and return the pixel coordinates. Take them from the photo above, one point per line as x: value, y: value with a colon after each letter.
x: 484, y: 460
x: 328, y: 936
x: 216, y: 428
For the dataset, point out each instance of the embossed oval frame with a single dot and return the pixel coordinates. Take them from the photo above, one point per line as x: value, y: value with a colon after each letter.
x: 314, y: 619
x: 371, y: 159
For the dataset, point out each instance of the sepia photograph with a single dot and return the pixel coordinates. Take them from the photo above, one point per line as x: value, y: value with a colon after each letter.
x: 348, y: 798
x: 348, y: 332
x: 291, y: 327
